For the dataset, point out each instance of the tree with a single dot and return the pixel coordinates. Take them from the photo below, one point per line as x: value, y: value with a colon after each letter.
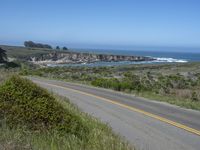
x: 3, y: 56
x: 65, y: 48
x: 36, y: 45
x: 57, y: 47
x: 29, y: 44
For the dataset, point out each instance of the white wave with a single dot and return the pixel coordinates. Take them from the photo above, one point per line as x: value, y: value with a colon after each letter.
x: 170, y: 60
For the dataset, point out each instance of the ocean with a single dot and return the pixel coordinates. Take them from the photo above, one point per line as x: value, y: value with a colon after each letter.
x: 161, y: 57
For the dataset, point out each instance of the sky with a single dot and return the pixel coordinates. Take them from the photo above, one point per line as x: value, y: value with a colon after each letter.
x: 115, y: 24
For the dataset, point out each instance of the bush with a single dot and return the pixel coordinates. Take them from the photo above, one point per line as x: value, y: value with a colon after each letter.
x: 23, y: 103
x: 112, y: 83
x: 194, y: 96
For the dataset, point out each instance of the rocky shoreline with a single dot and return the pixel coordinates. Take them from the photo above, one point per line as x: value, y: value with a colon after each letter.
x: 78, y: 57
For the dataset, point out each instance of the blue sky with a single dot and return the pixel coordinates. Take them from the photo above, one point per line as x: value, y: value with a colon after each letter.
x: 122, y: 24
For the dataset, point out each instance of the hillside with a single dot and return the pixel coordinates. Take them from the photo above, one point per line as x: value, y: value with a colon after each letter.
x: 31, y: 118
x: 45, y: 56
x: 20, y: 52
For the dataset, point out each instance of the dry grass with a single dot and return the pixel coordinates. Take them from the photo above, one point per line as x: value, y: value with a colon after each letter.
x: 6, y: 73
x: 183, y: 93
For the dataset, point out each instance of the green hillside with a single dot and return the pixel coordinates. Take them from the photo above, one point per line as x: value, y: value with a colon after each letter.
x: 31, y: 118
x: 21, y: 52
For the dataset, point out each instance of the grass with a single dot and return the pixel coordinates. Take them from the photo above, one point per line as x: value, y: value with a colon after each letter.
x: 20, y: 140
x: 18, y: 52
x: 186, y: 103
x: 6, y: 73
x: 25, y: 103
x: 177, y: 84
x: 49, y: 122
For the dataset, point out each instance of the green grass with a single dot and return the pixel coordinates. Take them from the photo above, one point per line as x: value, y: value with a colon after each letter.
x: 177, y: 84
x: 18, y: 52
x: 32, y: 118
x: 25, y: 103
x: 186, y: 103
x: 6, y: 73
x: 100, y: 137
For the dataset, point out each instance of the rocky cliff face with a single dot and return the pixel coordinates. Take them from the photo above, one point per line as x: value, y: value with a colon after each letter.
x: 75, y: 57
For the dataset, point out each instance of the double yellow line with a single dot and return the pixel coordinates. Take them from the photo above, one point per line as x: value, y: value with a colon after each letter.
x: 181, y: 126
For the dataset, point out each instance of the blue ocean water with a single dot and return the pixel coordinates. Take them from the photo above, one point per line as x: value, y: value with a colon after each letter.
x: 161, y: 57
x: 176, y: 56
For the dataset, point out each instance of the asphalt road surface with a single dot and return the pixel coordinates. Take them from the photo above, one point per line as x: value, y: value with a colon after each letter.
x: 148, y: 125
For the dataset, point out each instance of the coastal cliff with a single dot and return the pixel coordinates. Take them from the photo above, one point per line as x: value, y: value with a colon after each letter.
x: 78, y: 57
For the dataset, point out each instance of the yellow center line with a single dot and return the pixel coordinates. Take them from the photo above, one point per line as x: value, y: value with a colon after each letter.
x: 181, y: 126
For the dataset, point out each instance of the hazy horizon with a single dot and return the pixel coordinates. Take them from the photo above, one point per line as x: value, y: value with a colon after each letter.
x: 118, y: 48
x: 119, y: 25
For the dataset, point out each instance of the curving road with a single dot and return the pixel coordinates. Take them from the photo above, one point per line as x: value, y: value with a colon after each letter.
x: 148, y: 125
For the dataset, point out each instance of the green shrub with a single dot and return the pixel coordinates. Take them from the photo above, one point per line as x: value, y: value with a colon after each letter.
x: 23, y: 103
x: 194, y: 96
x: 100, y: 136
x: 12, y: 65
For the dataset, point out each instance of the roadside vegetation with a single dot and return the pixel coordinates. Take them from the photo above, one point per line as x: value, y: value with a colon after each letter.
x: 31, y: 118
x: 177, y: 84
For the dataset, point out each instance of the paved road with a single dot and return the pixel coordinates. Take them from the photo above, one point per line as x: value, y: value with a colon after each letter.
x: 149, y: 125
